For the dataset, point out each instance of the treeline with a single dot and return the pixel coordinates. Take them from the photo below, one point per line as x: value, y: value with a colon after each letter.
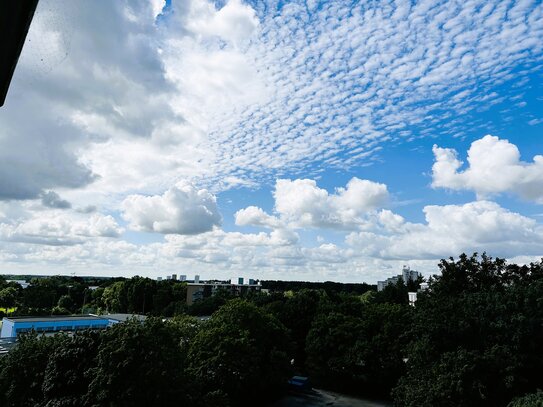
x: 473, y: 339
x: 239, y: 357
x: 59, y: 295
x: 328, y: 286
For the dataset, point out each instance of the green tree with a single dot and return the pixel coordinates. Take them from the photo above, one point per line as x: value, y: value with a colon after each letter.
x: 22, y: 370
x: 476, y: 335
x: 297, y: 313
x: 114, y: 297
x: 359, y: 353
x: 141, y: 364
x: 242, y: 351
x: 8, y: 297
x: 69, y: 370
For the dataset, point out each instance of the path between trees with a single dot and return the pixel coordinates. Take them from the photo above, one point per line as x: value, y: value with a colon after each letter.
x: 318, y: 398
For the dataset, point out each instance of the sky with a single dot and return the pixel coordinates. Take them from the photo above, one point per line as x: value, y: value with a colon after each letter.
x: 298, y: 140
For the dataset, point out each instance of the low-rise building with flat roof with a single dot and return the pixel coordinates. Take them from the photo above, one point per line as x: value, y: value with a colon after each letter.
x: 13, y: 326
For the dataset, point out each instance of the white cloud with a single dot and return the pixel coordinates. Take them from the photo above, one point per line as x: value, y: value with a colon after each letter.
x: 255, y: 216
x: 182, y: 209
x: 453, y: 229
x: 235, y: 22
x: 494, y: 167
x: 245, y: 94
x: 157, y: 7
x: 58, y: 227
x: 304, y: 204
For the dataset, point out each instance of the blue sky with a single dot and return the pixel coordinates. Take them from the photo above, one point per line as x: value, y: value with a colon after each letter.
x: 281, y: 140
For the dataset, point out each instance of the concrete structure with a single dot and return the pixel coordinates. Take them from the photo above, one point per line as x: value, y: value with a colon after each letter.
x: 183, y: 277
x: 413, y: 295
x: 174, y: 276
x: 196, y: 279
x: 199, y: 291
x: 407, y: 276
x: 13, y: 326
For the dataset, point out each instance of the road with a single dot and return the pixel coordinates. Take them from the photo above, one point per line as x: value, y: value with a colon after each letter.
x: 318, y: 398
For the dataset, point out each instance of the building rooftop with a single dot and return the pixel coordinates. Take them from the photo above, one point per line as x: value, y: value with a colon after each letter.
x: 57, y: 318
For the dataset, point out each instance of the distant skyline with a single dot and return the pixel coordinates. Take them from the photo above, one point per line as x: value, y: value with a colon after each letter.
x: 297, y: 140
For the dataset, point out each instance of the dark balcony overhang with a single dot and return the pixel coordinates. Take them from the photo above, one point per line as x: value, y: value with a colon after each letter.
x: 15, y: 19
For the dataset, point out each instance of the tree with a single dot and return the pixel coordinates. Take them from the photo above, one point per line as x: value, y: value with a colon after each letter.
x: 242, y: 351
x: 114, y: 297
x: 141, y: 364
x: 69, y: 370
x: 297, y: 313
x: 22, y: 370
x: 8, y: 297
x: 476, y: 335
x: 359, y: 353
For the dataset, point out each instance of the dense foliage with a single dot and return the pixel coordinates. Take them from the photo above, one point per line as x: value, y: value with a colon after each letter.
x: 476, y: 336
x: 239, y: 355
x: 73, y: 295
x: 473, y: 339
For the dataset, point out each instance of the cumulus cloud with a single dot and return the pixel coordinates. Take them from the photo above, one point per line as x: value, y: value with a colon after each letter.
x: 182, y: 209
x: 453, y: 229
x: 57, y: 228
x: 494, y: 166
x: 255, y: 216
x: 234, y: 22
x: 304, y: 204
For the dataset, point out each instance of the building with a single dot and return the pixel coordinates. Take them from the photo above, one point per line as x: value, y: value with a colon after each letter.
x: 22, y: 283
x: 199, y: 291
x: 413, y: 295
x: 407, y: 276
x: 13, y: 326
x: 174, y: 276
